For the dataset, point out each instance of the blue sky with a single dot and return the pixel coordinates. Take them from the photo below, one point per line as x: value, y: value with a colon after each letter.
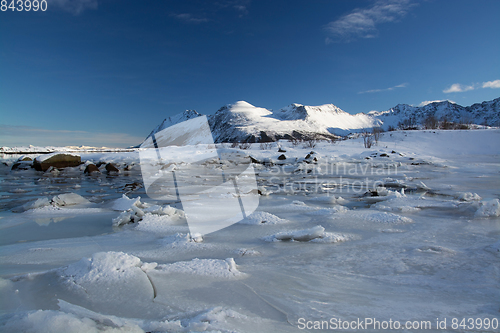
x: 105, y: 72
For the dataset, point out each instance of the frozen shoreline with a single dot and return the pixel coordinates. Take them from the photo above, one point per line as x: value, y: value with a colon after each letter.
x: 420, y: 245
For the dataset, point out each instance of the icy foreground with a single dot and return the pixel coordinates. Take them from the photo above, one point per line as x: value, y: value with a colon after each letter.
x: 408, y: 230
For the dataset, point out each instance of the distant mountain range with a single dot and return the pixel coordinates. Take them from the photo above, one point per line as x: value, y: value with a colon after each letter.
x: 243, y: 122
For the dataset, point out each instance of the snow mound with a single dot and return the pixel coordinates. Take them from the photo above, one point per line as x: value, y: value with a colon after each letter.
x: 489, y: 208
x: 102, y: 266
x: 261, y: 218
x: 226, y: 269
x: 160, y: 224
x: 315, y: 234
x: 295, y: 206
x: 329, y: 211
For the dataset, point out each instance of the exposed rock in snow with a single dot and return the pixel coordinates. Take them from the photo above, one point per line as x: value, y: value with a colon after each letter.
x: 56, y: 160
x: 91, y: 168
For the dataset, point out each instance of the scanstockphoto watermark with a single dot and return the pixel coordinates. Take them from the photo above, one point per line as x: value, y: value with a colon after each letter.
x: 324, y: 186
x: 329, y: 177
x: 329, y: 167
x: 375, y: 324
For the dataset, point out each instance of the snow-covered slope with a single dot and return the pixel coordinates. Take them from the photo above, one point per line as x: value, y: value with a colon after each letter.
x: 178, y: 118
x: 243, y: 122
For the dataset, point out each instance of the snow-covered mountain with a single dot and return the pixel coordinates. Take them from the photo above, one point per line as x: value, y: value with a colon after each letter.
x: 485, y: 113
x: 243, y: 122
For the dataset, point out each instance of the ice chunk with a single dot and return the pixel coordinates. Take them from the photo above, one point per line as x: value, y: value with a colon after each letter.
x: 124, y: 203
x: 40, y: 202
x: 226, y: 269
x: 159, y: 224
x: 332, y: 237
x: 468, y: 196
x: 384, y: 217
x: 298, y: 235
x: 489, y: 208
x: 123, y: 218
x: 69, y: 199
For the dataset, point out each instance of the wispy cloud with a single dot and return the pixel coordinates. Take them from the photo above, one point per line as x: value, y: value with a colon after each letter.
x: 457, y: 87
x: 26, y: 135
x: 491, y: 84
x: 75, y: 7
x: 241, y: 6
x: 362, y: 22
x: 424, y: 103
x: 189, y: 18
x: 402, y: 85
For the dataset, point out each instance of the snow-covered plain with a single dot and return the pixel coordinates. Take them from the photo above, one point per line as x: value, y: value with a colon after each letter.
x: 408, y: 230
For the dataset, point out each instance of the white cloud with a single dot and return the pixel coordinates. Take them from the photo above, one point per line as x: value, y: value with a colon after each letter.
x: 491, y: 84
x: 25, y: 135
x: 75, y: 7
x: 240, y: 6
x: 402, y: 85
x: 362, y: 23
x: 189, y: 18
x: 457, y: 87
x: 424, y: 103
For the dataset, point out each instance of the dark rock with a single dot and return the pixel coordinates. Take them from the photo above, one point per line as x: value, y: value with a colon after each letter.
x: 282, y: 157
x: 132, y: 186
x: 128, y: 167
x: 24, y: 158
x: 393, y: 152
x: 110, y: 167
x: 308, y: 156
x: 281, y: 150
x: 384, y: 155
x: 59, y: 161
x: 265, y: 138
x: 91, y: 168
x: 22, y: 165
x: 253, y: 160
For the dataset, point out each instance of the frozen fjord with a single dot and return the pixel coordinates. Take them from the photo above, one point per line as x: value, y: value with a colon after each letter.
x: 423, y: 244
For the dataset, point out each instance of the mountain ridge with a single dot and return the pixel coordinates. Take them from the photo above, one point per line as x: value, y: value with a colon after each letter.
x: 243, y: 122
